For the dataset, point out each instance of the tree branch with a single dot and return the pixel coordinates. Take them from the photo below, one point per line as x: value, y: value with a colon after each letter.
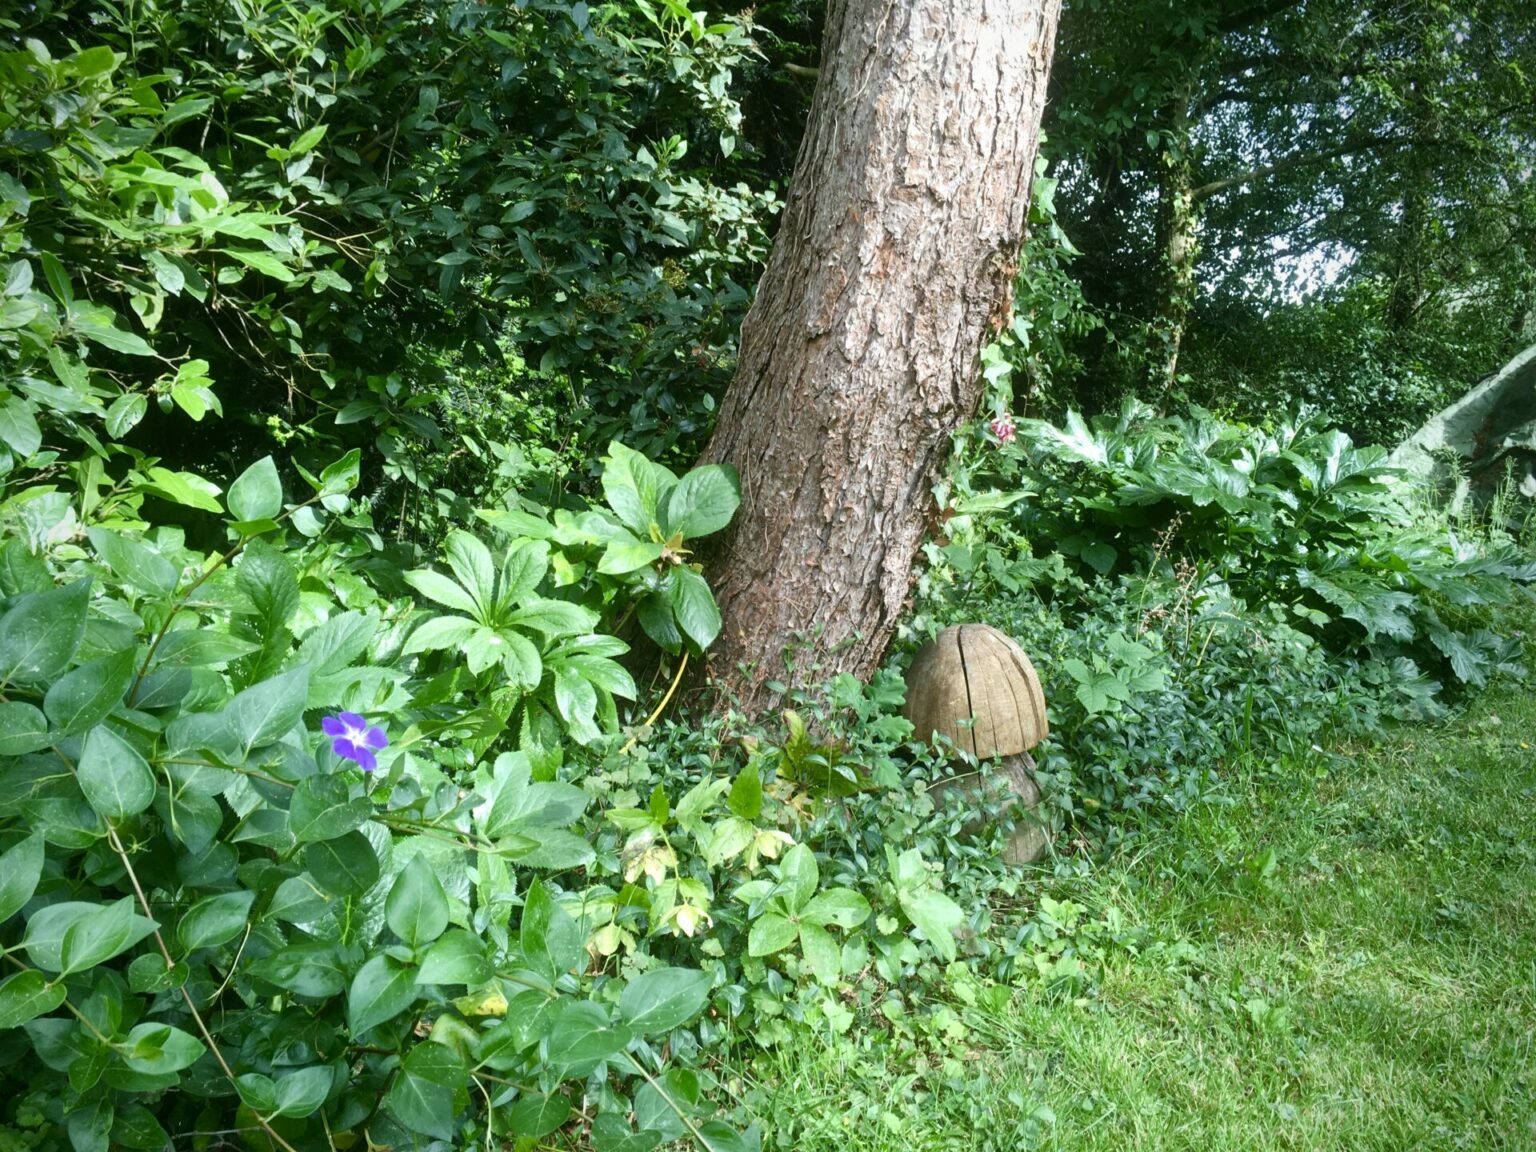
x: 1205, y: 191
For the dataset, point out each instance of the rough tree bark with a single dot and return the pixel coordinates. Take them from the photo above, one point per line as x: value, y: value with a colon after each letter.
x: 894, y: 261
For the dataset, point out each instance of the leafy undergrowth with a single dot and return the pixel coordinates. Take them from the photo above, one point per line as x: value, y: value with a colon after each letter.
x: 1340, y: 952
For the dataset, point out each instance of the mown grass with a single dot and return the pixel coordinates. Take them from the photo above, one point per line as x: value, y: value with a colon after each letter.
x: 1342, y: 956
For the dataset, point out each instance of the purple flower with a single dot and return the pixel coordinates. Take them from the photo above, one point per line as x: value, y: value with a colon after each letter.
x: 353, y: 738
x: 1002, y: 428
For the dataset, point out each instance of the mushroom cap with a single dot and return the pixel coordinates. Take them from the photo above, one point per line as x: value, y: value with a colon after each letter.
x: 973, y: 669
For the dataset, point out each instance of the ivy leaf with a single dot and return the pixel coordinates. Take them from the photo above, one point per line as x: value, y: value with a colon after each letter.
x: 663, y: 999
x: 841, y: 906
x: 746, y: 795
x: 417, y: 907
x: 611, y: 1133
x: 116, y: 780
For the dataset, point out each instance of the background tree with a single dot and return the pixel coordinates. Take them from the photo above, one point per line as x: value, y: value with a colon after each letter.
x: 894, y: 261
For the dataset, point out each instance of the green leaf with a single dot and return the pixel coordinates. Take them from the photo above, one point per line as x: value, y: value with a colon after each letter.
x: 424, y: 1093
x: 158, y: 1049
x: 302, y: 1093
x: 308, y: 139
x: 417, y: 907
x: 23, y: 728
x: 201, y: 648
x: 523, y: 570
x: 633, y: 485
x: 436, y: 586
x: 770, y: 933
x: 346, y: 866
x: 694, y: 605
x: 90, y: 1124
x: 663, y: 999
x: 315, y: 970
x: 382, y: 989
x: 935, y: 915
x: 841, y: 906
x: 134, y: 563
x: 551, y: 941
x: 86, y: 696
x: 821, y: 953
x: 74, y: 935
x: 534, y: 1117
x: 27, y: 995
x: 323, y: 809
x: 298, y: 900
x: 702, y: 502
x: 20, y: 869
x: 581, y: 1036
x: 798, y: 876
x: 39, y: 635
x: 185, y: 488
x: 116, y: 780
x: 623, y: 556
x: 18, y: 427
x: 612, y: 1133
x: 257, y: 494
x: 125, y: 413
x: 457, y: 957
x: 441, y: 632
x: 554, y: 618
x: 214, y: 920
x: 475, y: 569
x: 263, y: 262
x: 746, y: 796
x: 267, y: 711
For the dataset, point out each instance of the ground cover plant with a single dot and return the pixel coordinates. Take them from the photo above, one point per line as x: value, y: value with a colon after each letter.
x: 359, y: 781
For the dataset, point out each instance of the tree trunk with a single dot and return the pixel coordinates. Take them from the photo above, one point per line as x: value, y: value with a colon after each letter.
x: 894, y: 261
x: 1179, y: 223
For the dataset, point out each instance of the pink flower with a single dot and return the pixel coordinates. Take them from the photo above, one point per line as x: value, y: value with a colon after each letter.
x: 1002, y: 428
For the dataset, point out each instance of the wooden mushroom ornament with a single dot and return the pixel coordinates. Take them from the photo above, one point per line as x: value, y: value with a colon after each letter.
x: 973, y: 670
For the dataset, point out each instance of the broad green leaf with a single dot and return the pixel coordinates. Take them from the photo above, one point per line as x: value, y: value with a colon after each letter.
x: 770, y: 933
x: 611, y: 1133
x: 456, y: 957
x: 18, y: 427
x: 266, y: 576
x: 424, y: 1093
x: 257, y: 493
x: 798, y: 876
x: 550, y: 939
x: 702, y: 502
x: 159, y: 1049
x: 315, y: 970
x: 26, y: 995
x: 115, y: 778
x: 694, y: 606
x: 382, y: 989
x: 90, y: 1123
x: 552, y: 848
x: 125, y: 413
x: 85, y: 696
x: 182, y: 488
x: 74, y: 935
x: 20, y: 869
x: 746, y: 795
x: 633, y: 486
x: 267, y: 711
x: 554, y: 618
x: 302, y: 1093
x: 535, y: 1117
x: 134, y: 562
x: 417, y: 907
x: 308, y: 139
x: 436, y: 586
x: 663, y: 999
x: 39, y: 635
x: 821, y: 953
x: 263, y: 262
x: 201, y: 648
x: 441, y: 632
x: 623, y: 556
x: 841, y: 906
x: 935, y: 915
x: 214, y: 920
x: 577, y: 704
x: 581, y: 1036
x: 346, y: 866
x: 298, y: 900
x: 323, y: 809
x: 523, y: 570
x: 474, y: 568
x: 23, y: 728
x: 341, y: 476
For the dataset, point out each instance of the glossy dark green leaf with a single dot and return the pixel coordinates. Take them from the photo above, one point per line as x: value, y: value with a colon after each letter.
x: 345, y: 866
x: 23, y: 728
x: 382, y: 989
x: 115, y: 778
x: 214, y: 920
x: 663, y: 999
x: 424, y: 1093
x: 323, y: 809
x: 20, y: 869
x: 456, y: 957
x: 550, y: 938
x: 581, y: 1036
x: 87, y: 695
x: 267, y: 711
x: 74, y: 935
x: 39, y: 635
x: 134, y: 562
x: 417, y: 907
x: 611, y: 1133
x: 702, y: 502
x: 160, y: 1048
x: 694, y: 607
x: 26, y: 995
x: 535, y: 1117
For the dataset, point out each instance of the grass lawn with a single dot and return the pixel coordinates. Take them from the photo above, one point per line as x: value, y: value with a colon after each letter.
x: 1337, y: 953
